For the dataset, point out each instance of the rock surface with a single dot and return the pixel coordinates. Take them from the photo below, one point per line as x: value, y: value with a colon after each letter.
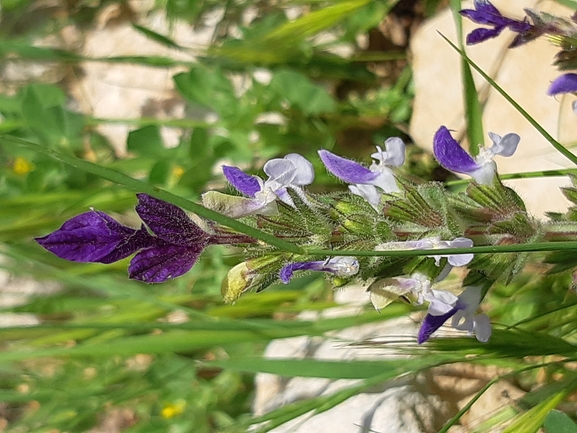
x: 524, y: 73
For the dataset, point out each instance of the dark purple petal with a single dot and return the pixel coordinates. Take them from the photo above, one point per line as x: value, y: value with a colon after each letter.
x: 139, y: 240
x: 481, y: 35
x: 163, y: 262
x: 347, y: 170
x: 286, y: 273
x: 170, y: 223
x: 88, y: 237
x: 243, y: 182
x: 432, y: 323
x: 484, y: 13
x: 566, y: 83
x: 450, y: 154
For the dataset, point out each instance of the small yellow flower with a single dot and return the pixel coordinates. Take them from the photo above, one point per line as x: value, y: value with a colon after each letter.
x: 22, y: 166
x: 177, y: 171
x: 173, y: 409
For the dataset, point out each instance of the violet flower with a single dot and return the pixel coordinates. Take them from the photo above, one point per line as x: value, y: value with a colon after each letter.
x: 486, y: 14
x: 293, y: 171
x: 364, y: 179
x: 463, y: 318
x: 482, y: 168
x: 566, y: 83
x: 342, y: 266
x: 168, y: 244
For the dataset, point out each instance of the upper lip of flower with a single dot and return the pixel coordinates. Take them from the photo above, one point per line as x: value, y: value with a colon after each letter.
x: 566, y: 83
x: 453, y: 157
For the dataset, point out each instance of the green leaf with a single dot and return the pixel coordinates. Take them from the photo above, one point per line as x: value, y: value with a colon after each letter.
x: 569, y: 3
x: 43, y: 109
x: 533, y: 419
x: 210, y: 88
x: 558, y: 422
x: 160, y: 172
x: 146, y: 142
x: 473, y: 110
x: 157, y: 37
x: 301, y: 92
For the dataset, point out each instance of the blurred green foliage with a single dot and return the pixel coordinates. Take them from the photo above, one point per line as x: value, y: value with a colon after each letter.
x: 173, y: 357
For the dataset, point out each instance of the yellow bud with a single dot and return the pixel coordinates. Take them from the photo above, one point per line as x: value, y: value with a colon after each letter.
x: 383, y: 292
x: 22, y: 166
x: 235, y: 283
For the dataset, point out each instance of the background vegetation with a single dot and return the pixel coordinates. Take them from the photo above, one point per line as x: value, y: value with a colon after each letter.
x: 173, y: 357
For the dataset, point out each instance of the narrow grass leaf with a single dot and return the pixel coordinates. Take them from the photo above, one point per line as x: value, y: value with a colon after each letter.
x: 156, y: 37
x: 312, y: 23
x: 558, y: 146
x: 473, y: 111
x: 139, y: 186
x: 350, y: 369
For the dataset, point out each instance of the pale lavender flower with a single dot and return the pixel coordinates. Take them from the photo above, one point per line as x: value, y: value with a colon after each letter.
x: 293, y: 171
x: 482, y: 168
x: 486, y: 14
x: 167, y: 246
x: 463, y: 318
x: 434, y: 243
x: 365, y: 180
x: 417, y: 287
x: 342, y: 266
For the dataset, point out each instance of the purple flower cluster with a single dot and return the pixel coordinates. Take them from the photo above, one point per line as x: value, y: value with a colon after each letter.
x: 168, y: 244
x: 485, y: 13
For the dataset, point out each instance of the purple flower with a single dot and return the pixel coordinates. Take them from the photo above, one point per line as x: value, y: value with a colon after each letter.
x: 364, y: 180
x: 487, y: 14
x: 342, y: 266
x: 482, y: 168
x: 464, y: 318
x: 293, y: 171
x: 566, y: 83
x: 167, y: 246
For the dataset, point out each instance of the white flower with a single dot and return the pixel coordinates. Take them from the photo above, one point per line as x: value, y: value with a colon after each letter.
x: 465, y: 318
